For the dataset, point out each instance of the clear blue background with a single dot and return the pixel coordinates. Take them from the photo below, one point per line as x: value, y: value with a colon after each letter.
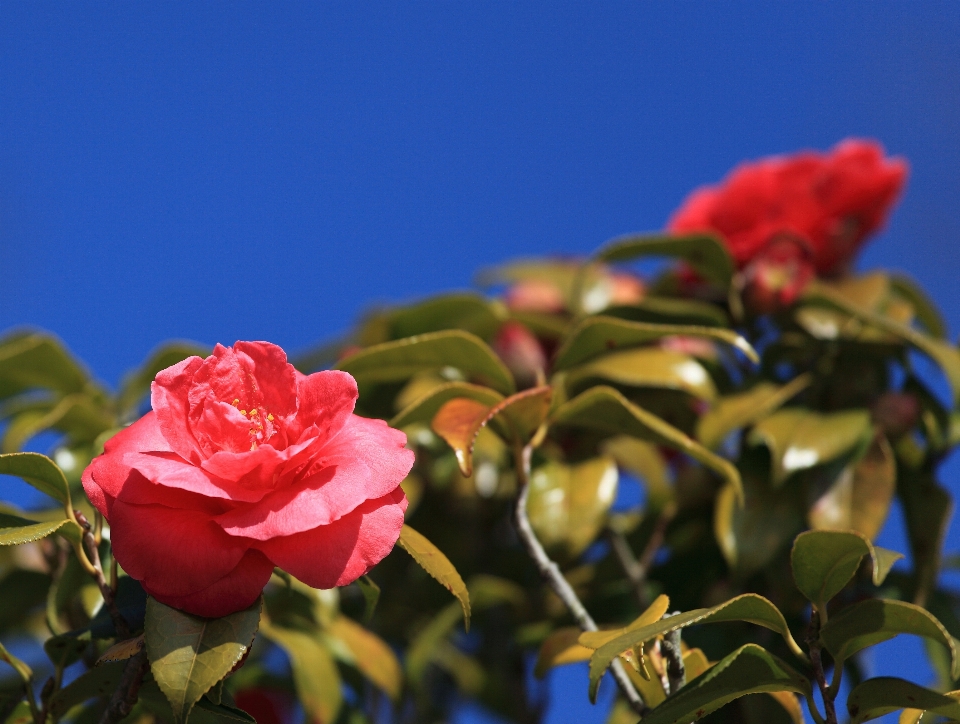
x: 235, y: 171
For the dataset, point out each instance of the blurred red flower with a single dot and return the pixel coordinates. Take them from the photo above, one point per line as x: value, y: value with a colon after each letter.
x: 245, y: 464
x: 828, y: 202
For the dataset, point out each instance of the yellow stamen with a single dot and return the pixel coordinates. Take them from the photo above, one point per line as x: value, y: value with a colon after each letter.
x: 270, y: 417
x: 254, y: 411
x: 235, y: 402
x: 243, y: 412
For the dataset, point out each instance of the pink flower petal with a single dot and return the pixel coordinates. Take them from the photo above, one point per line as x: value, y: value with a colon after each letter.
x: 339, y: 553
x: 169, y: 397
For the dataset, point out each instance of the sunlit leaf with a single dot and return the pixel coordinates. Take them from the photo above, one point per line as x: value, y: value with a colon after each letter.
x: 913, y: 716
x: 23, y: 671
x: 372, y: 656
x: 704, y: 252
x: 189, y: 654
x: 860, y: 497
x: 425, y: 408
x: 315, y: 674
x: 15, y: 530
x: 927, y: 313
x: 748, y: 607
x: 40, y: 471
x: 593, y: 640
x: 647, y: 367
x: 596, y: 336
x: 122, y: 650
x: 824, y: 561
x: 516, y: 418
x: 748, y: 670
x: 605, y: 409
x: 429, y: 557
x: 399, y: 360
x: 568, y: 504
x: 740, y: 410
x: 559, y: 648
x: 875, y: 620
x: 799, y: 439
x: 647, y: 462
x: 881, y: 695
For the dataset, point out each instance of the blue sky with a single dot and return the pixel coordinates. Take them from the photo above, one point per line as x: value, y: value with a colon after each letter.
x: 235, y: 171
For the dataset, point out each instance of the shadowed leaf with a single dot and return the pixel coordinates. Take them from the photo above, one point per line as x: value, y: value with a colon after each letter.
x: 704, y: 252
x: 374, y: 658
x: 426, y: 407
x: 189, y: 655
x: 875, y: 697
x: 824, y: 561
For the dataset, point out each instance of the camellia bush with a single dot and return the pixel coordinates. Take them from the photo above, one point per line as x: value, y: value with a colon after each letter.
x: 666, y: 463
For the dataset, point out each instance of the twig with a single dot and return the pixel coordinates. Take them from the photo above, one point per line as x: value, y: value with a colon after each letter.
x: 551, y: 573
x: 636, y: 570
x: 673, y: 655
x: 125, y: 697
x: 106, y: 590
x: 828, y: 695
x: 656, y: 537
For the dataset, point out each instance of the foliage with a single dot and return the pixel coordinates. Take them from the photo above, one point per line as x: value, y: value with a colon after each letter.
x: 764, y: 448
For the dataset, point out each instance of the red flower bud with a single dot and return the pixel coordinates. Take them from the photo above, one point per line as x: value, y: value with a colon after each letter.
x: 777, y: 275
x: 521, y: 352
x: 896, y: 413
x: 534, y: 295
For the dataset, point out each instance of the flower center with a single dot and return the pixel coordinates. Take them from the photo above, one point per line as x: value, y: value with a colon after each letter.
x: 262, y: 424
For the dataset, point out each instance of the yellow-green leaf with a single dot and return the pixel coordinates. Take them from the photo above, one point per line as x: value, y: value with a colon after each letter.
x: 748, y: 607
x: 372, y: 656
x: 401, y: 359
x: 122, y: 650
x: 748, y: 670
x: 596, y: 336
x: 189, y: 655
x: 704, y: 252
x: 568, y: 504
x: 740, y: 410
x: 875, y: 620
x: 559, y: 648
x: 23, y: 671
x: 315, y: 674
x: 799, y: 439
x: 15, y: 530
x: 646, y: 367
x: 913, y: 716
x: 41, y: 472
x: 429, y: 557
x: 824, y: 561
x: 881, y: 695
x: 36, y: 359
x: 605, y: 409
x: 137, y: 384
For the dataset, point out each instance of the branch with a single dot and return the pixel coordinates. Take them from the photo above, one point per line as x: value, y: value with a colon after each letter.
x: 636, y: 570
x: 106, y: 590
x: 826, y: 692
x: 125, y: 697
x: 673, y: 655
x: 551, y: 573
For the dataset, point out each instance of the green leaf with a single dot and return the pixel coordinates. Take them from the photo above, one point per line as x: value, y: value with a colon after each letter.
x: 605, y: 409
x: 315, y: 674
x: 704, y: 252
x: 875, y: 620
x: 942, y: 352
x: 189, y: 654
x: 799, y: 439
x: 99, y: 681
x: 927, y: 313
x: 927, y: 509
x: 23, y: 671
x: 516, y: 418
x: 748, y: 670
x: 41, y: 472
x: 429, y: 557
x: 559, y: 648
x: 371, y: 595
x: 76, y: 414
x: 465, y: 311
x: 426, y: 407
x: 21, y: 714
x: 748, y: 607
x: 875, y: 697
x: 205, y: 711
x: 647, y: 367
x: 399, y: 360
x: 371, y: 655
x: 568, y: 504
x: 733, y: 412
x: 595, y: 336
x: 824, y: 561
x: 137, y: 384
x: 15, y: 530
x: 667, y: 310
x: 33, y: 359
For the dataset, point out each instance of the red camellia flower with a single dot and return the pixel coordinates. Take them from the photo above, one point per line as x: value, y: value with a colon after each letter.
x: 830, y: 202
x: 245, y: 464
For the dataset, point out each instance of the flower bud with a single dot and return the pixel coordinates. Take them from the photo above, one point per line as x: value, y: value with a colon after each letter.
x: 521, y: 352
x: 777, y: 275
x: 534, y: 295
x: 896, y: 413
